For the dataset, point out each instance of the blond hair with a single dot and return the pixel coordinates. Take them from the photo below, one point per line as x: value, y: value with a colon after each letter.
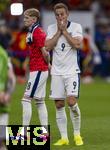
x: 32, y: 12
x: 60, y: 5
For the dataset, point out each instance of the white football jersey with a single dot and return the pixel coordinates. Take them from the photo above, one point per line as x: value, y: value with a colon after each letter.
x: 65, y: 57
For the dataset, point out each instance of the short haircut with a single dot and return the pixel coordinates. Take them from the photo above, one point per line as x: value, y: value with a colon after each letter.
x: 60, y: 5
x: 32, y: 12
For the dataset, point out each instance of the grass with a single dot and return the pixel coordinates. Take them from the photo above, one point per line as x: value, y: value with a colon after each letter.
x: 94, y: 103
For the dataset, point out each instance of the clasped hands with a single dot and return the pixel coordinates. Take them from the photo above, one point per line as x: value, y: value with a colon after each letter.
x: 62, y: 26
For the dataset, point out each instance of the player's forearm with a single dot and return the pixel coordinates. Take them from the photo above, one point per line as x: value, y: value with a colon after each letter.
x: 51, y: 43
x: 75, y: 42
x: 47, y: 58
x: 46, y: 55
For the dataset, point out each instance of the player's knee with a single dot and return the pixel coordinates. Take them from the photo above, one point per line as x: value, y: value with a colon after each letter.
x: 39, y: 101
x: 26, y: 99
x: 59, y: 104
x: 71, y: 101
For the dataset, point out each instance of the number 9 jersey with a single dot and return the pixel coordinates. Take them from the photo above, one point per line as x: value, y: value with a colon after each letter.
x: 65, y: 57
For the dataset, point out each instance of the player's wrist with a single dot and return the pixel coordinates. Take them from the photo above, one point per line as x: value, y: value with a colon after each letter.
x: 65, y: 32
x: 58, y: 33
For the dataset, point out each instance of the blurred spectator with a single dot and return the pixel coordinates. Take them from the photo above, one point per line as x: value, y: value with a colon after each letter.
x: 85, y: 5
x: 102, y: 38
x: 5, y: 35
x: 106, y: 7
x: 74, y: 4
x: 48, y: 4
x: 19, y: 52
x: 90, y: 57
x: 95, y: 7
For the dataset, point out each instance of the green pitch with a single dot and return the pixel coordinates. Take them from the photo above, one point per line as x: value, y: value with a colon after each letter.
x: 94, y: 103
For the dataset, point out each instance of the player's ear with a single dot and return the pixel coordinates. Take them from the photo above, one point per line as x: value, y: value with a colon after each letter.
x: 35, y: 19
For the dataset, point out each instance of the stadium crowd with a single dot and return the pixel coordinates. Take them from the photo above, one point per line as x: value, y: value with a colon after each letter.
x: 94, y: 54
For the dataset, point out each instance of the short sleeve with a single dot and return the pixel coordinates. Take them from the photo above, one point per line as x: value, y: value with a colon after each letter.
x: 78, y: 32
x: 49, y: 33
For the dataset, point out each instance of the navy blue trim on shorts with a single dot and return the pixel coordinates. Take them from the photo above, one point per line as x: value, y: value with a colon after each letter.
x: 78, y: 59
x: 78, y: 84
x: 35, y: 84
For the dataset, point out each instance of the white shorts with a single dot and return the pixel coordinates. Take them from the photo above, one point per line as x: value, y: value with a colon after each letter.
x: 36, y: 86
x: 63, y: 86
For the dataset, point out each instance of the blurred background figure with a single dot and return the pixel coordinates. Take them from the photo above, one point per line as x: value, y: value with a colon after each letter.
x: 102, y: 37
x: 89, y: 57
x: 7, y: 85
x: 5, y: 35
x: 19, y: 53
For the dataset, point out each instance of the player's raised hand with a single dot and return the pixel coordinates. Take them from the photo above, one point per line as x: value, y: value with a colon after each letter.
x: 59, y: 27
x: 62, y: 25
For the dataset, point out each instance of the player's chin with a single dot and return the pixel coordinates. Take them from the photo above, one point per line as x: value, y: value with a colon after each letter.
x: 26, y: 24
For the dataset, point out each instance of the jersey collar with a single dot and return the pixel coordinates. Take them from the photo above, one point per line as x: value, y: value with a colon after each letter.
x: 35, y: 25
x: 68, y: 24
x: 29, y: 38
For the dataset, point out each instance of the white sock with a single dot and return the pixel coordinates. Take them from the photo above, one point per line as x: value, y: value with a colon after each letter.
x: 76, y: 118
x: 62, y: 122
x: 4, y: 119
x: 42, y: 111
x: 27, y: 112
